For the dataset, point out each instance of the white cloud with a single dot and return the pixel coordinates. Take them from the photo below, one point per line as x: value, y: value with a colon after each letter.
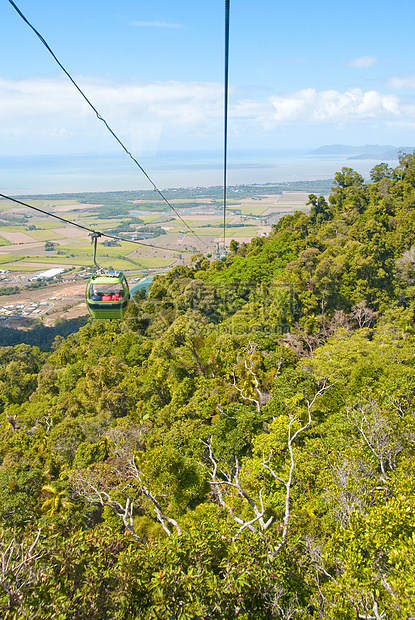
x: 332, y: 106
x: 49, y: 113
x: 156, y: 24
x: 49, y: 106
x: 363, y: 62
x: 402, y: 81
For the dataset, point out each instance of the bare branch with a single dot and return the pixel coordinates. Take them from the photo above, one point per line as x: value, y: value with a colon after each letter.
x: 290, y: 443
x: 17, y: 565
x: 364, y: 316
x: 249, y: 364
x: 234, y: 482
x: 242, y: 395
x: 100, y: 484
x: 352, y: 487
x: 377, y: 433
x: 220, y: 409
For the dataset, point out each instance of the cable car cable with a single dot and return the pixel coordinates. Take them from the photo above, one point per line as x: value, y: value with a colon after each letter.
x: 89, y: 230
x: 226, y: 102
x: 98, y: 115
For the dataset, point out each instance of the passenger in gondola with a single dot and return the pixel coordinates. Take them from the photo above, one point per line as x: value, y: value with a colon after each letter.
x: 96, y: 296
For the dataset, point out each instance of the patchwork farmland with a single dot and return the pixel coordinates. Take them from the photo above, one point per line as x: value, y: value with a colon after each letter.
x: 32, y: 242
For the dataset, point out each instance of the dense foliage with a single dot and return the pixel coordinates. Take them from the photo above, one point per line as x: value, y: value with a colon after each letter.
x: 240, y: 446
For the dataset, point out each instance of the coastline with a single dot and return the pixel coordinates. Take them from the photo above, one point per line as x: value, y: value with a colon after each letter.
x: 45, y: 174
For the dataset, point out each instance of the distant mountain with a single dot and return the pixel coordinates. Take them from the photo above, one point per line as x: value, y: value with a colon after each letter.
x: 391, y: 155
x: 346, y: 149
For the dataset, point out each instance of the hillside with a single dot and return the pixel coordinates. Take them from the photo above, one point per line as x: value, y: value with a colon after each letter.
x: 367, y: 151
x: 347, y: 149
x: 241, y: 446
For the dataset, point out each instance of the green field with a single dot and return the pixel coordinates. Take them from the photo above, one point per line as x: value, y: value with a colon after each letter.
x: 44, y: 235
x: 44, y: 203
x: 101, y: 224
x: 294, y: 197
x: 7, y: 205
x: 150, y: 218
x: 256, y: 208
x: 22, y: 268
x: 62, y: 260
x: 154, y: 263
x: 10, y: 258
x: 16, y: 229
x: 49, y: 224
x: 243, y: 231
x: 76, y: 250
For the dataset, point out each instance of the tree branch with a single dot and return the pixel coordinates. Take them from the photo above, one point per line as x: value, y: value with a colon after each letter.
x: 288, y: 482
x: 216, y: 484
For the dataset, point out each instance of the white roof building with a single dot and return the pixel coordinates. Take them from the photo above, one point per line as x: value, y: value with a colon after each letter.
x: 50, y: 273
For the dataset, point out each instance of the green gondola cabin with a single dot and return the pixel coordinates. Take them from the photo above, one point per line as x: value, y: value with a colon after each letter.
x: 107, y: 295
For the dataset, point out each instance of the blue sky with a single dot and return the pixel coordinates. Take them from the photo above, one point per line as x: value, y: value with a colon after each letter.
x: 301, y: 75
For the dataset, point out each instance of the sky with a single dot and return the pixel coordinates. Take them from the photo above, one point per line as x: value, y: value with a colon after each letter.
x: 301, y: 75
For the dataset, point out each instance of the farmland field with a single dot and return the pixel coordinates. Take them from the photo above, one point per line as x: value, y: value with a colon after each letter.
x: 69, y: 245
x: 31, y: 242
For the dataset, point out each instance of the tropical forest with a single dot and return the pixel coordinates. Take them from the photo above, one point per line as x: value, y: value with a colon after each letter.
x: 241, y: 445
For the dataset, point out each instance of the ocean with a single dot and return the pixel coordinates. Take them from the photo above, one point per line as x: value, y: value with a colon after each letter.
x: 47, y: 174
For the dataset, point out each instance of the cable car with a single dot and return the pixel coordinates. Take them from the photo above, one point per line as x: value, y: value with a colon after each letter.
x: 107, y: 295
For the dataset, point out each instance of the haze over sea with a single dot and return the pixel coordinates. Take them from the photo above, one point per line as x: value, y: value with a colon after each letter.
x: 46, y: 174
